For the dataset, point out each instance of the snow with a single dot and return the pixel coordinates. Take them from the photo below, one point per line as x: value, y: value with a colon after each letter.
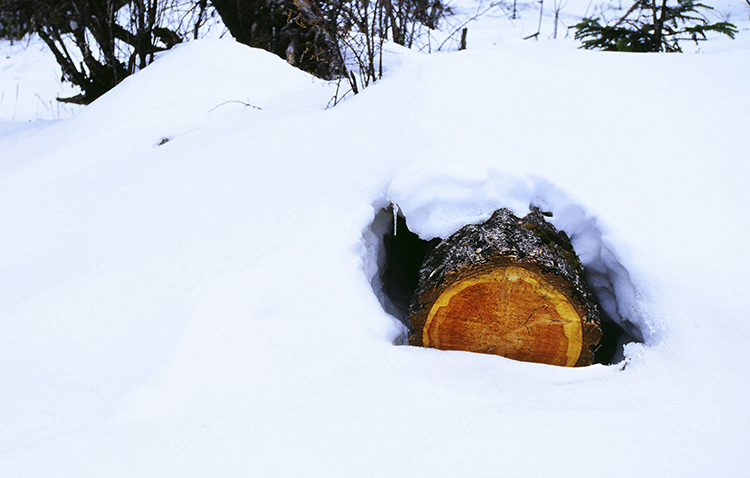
x: 30, y: 81
x: 187, y: 263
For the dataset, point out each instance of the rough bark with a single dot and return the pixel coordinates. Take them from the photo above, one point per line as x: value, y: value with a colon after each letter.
x: 509, y: 286
x: 296, y: 30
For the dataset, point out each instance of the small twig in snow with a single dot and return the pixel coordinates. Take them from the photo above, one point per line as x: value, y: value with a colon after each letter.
x: 235, y: 101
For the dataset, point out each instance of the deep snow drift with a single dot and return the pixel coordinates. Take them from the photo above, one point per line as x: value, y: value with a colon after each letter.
x: 190, y: 268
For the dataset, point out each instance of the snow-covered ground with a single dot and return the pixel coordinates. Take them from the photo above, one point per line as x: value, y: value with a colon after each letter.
x: 190, y: 265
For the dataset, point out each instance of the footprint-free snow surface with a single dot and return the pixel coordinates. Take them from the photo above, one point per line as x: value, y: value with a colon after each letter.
x: 190, y: 268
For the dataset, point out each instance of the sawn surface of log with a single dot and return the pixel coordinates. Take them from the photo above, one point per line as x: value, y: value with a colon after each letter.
x: 509, y: 286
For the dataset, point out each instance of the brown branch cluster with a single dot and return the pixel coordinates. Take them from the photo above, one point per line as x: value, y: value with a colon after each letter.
x: 98, y: 43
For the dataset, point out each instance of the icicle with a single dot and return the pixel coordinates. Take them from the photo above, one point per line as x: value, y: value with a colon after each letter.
x: 395, y: 218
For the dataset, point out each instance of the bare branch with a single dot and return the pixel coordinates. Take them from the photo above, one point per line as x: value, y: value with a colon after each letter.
x: 632, y: 9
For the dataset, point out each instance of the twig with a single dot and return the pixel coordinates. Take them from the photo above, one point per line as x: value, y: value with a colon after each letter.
x: 541, y: 13
x: 336, y: 100
x: 558, y: 5
x: 461, y: 26
x: 635, y: 5
x: 235, y: 101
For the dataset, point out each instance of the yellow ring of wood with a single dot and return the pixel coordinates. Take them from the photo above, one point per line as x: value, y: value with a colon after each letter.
x: 571, y: 321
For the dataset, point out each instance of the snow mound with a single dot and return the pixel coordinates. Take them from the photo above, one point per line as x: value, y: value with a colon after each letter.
x: 198, y: 307
x: 197, y: 78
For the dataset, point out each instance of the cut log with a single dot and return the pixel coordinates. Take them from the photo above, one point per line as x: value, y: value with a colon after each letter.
x: 511, y: 287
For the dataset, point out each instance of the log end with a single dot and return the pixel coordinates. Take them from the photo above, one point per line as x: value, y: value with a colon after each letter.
x: 511, y: 311
x: 511, y: 287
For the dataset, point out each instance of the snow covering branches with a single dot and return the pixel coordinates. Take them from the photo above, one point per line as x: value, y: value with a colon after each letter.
x: 98, y: 43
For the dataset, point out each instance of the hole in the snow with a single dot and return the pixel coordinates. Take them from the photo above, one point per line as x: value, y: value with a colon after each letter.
x: 399, y: 254
x: 404, y: 253
x: 612, y: 343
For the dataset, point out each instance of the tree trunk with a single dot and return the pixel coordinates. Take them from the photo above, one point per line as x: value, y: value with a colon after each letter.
x: 511, y: 287
x: 296, y: 30
x: 659, y: 24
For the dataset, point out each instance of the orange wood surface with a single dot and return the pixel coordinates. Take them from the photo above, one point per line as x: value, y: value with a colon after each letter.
x: 511, y: 312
